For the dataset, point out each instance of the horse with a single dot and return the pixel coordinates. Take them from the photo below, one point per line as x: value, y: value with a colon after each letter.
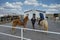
x: 19, y: 23
x: 44, y: 24
x: 56, y: 19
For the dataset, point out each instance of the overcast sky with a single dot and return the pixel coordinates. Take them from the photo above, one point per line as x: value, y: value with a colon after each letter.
x: 19, y: 6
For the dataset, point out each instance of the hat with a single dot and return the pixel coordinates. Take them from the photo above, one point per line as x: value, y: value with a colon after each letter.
x: 33, y: 14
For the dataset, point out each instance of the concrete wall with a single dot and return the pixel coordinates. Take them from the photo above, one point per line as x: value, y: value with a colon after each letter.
x: 31, y: 14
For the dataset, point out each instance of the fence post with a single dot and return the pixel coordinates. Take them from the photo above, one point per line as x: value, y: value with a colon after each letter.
x: 21, y: 34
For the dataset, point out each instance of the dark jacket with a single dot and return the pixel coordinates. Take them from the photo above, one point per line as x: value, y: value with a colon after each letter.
x: 41, y: 16
x: 33, y: 20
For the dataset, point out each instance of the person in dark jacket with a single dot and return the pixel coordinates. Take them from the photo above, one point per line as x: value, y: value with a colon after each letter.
x: 41, y: 17
x: 33, y: 20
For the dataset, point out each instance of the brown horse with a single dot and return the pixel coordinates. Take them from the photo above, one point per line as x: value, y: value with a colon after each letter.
x: 19, y: 23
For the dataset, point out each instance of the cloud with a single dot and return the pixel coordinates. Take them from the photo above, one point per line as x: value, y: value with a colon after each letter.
x: 35, y: 3
x: 49, y: 8
x: 1, y: 8
x: 52, y: 6
x: 14, y: 7
x: 43, y: 5
x: 31, y: 2
x: 52, y: 11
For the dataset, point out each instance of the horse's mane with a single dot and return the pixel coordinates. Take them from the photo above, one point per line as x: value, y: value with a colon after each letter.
x: 25, y: 19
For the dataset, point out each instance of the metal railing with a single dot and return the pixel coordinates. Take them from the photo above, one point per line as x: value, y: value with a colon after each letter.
x: 22, y: 38
x: 58, y: 33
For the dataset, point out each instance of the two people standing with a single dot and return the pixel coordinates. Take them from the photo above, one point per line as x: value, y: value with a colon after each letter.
x: 33, y: 20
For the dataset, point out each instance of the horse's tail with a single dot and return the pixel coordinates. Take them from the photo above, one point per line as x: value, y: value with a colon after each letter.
x: 46, y: 25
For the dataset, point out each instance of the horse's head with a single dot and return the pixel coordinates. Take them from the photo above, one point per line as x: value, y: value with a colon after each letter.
x: 26, y: 19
